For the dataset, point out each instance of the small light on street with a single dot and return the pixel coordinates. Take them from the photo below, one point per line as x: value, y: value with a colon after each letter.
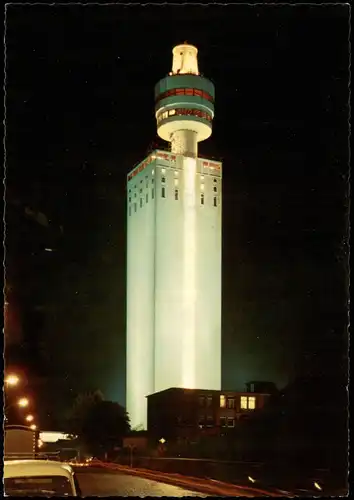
x: 23, y: 402
x: 49, y: 249
x: 12, y: 380
x: 40, y: 443
x: 317, y: 486
x: 33, y: 427
x: 251, y: 479
x: 162, y: 441
x: 30, y: 418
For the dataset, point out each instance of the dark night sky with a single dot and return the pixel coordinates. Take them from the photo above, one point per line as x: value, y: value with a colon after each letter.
x: 80, y: 114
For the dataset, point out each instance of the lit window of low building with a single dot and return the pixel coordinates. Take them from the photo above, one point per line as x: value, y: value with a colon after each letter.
x: 222, y: 401
x: 244, y: 405
x: 251, y: 403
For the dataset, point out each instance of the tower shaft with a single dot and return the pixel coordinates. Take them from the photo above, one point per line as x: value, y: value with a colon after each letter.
x: 185, y: 142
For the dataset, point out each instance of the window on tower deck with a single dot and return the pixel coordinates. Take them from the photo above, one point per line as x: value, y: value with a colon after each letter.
x: 202, y: 199
x: 134, y: 207
x: 153, y: 193
x: 163, y: 193
x: 147, y: 197
x: 163, y: 180
x: 130, y: 211
x: 215, y: 202
x: 141, y: 203
x: 176, y: 194
x: 215, y: 189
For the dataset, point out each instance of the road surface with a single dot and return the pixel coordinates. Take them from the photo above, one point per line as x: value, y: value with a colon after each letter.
x: 103, y: 483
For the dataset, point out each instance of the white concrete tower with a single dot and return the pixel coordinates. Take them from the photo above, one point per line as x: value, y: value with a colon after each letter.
x: 174, y: 247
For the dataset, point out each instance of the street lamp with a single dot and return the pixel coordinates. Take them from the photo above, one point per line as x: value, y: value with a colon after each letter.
x: 33, y: 427
x: 29, y: 418
x: 12, y: 380
x: 23, y: 402
x: 131, y: 448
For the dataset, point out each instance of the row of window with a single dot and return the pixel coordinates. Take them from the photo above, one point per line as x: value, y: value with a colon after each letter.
x: 163, y: 180
x: 163, y: 195
x: 246, y: 402
x: 209, y: 421
x: 185, y: 91
x: 184, y: 112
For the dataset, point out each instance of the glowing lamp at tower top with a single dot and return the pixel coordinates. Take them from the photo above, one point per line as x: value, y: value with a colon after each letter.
x: 185, y: 60
x: 184, y: 100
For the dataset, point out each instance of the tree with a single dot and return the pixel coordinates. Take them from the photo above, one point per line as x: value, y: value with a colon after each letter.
x: 100, y: 425
x: 106, y: 424
x: 77, y: 415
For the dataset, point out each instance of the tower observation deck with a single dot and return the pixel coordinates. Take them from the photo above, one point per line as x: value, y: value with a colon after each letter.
x: 184, y: 103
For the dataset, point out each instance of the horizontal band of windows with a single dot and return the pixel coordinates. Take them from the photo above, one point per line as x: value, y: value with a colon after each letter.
x: 185, y: 91
x: 184, y: 112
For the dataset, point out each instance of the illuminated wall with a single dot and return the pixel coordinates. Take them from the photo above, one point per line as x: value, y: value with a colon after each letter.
x: 140, y: 292
x: 208, y: 271
x: 174, y: 278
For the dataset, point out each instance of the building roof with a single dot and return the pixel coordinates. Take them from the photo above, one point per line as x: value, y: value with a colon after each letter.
x: 206, y: 391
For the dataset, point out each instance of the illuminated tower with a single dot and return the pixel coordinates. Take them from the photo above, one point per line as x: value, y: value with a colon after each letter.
x: 174, y: 247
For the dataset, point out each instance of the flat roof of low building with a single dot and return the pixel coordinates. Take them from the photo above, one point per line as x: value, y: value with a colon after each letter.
x: 206, y: 392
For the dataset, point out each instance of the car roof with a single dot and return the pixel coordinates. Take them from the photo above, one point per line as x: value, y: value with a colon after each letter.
x: 20, y: 468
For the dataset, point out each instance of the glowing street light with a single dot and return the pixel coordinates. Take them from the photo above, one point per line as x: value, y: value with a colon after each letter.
x: 12, y: 380
x: 23, y: 402
x: 29, y: 418
x: 33, y: 427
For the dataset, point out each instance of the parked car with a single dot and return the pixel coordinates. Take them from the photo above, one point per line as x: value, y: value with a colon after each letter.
x: 39, y: 478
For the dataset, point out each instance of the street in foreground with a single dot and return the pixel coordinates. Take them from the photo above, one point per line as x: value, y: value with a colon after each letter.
x: 105, y: 483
